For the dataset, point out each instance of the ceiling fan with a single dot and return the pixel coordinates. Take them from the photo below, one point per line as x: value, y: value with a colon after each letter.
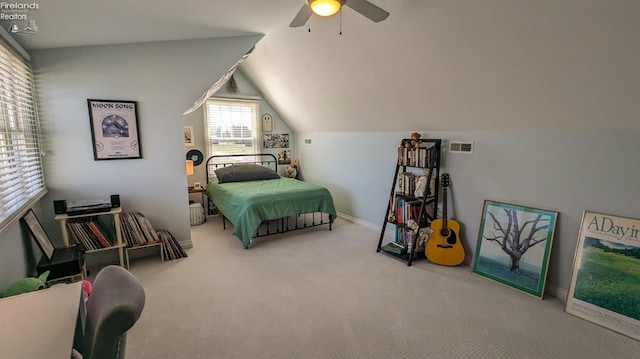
x: 330, y: 7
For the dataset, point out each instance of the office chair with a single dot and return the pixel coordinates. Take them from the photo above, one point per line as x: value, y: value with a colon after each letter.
x: 116, y: 302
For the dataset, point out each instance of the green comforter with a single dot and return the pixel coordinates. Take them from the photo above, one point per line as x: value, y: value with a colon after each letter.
x: 247, y: 204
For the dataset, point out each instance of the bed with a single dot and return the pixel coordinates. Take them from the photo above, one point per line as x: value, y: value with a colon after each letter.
x: 247, y: 191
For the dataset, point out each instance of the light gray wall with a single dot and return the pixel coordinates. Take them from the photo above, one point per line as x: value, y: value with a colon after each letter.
x: 245, y: 88
x: 165, y: 78
x: 563, y: 171
x: 19, y: 253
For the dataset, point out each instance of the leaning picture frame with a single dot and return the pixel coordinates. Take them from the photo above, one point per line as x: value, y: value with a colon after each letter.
x: 36, y: 230
x: 605, y: 280
x: 514, y: 245
x: 114, y: 129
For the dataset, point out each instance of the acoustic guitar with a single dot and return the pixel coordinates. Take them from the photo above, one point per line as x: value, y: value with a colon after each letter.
x: 444, y: 246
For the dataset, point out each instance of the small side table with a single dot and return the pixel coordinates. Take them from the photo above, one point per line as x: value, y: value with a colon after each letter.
x: 204, y: 199
x: 148, y: 245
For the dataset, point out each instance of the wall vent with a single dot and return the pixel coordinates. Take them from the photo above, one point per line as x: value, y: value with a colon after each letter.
x: 461, y: 147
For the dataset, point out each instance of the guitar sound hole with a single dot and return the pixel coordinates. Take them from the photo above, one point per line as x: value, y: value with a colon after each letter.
x: 452, y: 239
x: 444, y: 233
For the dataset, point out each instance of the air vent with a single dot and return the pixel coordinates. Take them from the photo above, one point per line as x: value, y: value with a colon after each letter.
x: 461, y: 147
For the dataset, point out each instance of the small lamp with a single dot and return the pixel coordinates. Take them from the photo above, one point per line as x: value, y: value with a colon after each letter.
x: 189, y: 167
x: 325, y: 7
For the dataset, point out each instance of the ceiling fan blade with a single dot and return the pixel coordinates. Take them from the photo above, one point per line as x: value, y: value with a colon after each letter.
x: 302, y: 17
x: 367, y: 9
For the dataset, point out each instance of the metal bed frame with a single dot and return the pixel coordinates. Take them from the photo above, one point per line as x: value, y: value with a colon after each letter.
x: 269, y: 227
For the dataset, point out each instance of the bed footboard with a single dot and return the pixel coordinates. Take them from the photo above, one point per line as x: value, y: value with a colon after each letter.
x: 289, y: 224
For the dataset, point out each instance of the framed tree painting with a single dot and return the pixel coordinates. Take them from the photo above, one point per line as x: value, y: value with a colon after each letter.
x: 514, y: 244
x: 605, y: 281
x: 114, y: 129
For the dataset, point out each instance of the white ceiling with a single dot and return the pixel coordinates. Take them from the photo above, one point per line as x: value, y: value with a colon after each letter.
x: 432, y: 65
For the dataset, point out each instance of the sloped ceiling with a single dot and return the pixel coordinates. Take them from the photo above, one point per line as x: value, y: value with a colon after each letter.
x: 432, y: 65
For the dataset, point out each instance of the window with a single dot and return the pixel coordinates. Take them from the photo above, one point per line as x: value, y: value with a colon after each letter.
x: 231, y: 126
x: 21, y: 178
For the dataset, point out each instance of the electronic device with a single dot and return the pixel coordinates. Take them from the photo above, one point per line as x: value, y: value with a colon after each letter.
x: 60, y: 207
x: 73, y: 208
x: 115, y: 200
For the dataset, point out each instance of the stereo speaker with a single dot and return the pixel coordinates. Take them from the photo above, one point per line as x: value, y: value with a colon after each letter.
x: 115, y: 200
x: 60, y: 207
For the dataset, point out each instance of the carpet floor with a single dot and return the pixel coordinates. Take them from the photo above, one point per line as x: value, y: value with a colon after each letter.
x: 327, y: 294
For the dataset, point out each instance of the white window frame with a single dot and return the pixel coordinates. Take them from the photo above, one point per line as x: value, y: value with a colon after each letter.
x: 221, y: 114
x: 21, y: 173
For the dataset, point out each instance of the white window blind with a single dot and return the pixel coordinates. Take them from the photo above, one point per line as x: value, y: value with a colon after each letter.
x: 21, y: 178
x: 231, y: 126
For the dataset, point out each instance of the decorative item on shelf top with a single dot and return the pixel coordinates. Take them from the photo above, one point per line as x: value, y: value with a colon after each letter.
x: 413, y: 142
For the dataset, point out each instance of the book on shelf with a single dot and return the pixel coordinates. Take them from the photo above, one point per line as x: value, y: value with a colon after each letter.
x: 395, y: 248
x: 407, y: 208
x: 414, y: 157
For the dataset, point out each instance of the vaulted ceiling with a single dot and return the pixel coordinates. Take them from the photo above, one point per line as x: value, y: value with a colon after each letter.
x: 432, y: 65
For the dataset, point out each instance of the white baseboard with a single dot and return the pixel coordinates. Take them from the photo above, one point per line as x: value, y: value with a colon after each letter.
x: 560, y: 293
x: 364, y: 224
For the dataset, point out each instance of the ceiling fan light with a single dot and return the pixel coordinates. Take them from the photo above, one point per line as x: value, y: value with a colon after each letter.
x: 325, y: 7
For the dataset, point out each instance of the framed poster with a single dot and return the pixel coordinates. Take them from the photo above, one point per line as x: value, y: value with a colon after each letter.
x: 114, y: 129
x: 189, y: 140
x: 276, y: 140
x: 514, y: 244
x: 284, y: 157
x: 605, y: 281
x: 36, y: 230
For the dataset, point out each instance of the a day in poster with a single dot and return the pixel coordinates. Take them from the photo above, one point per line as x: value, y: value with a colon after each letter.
x: 605, y: 283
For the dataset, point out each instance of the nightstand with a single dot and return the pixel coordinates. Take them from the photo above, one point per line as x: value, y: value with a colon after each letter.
x: 203, y: 194
x: 204, y: 202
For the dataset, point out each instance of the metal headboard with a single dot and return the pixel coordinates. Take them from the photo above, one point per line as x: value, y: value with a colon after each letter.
x: 218, y: 161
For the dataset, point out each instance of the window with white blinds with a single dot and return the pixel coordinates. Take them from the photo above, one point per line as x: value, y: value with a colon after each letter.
x: 21, y: 178
x: 231, y: 126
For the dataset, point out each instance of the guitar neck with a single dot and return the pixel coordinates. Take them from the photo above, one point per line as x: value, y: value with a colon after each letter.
x: 444, y: 208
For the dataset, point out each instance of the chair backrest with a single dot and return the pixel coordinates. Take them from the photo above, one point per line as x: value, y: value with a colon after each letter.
x: 115, y: 304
